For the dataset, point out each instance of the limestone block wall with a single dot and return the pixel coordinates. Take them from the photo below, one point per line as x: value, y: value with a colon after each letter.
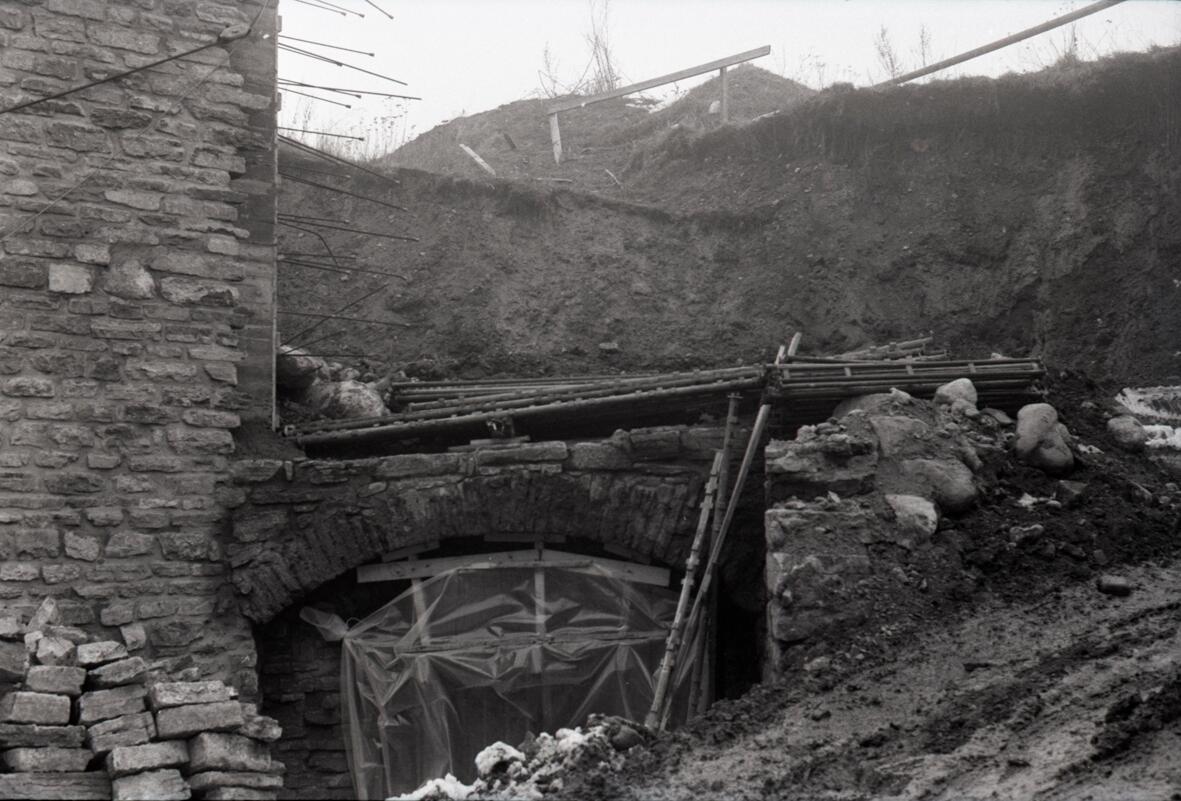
x: 136, y: 310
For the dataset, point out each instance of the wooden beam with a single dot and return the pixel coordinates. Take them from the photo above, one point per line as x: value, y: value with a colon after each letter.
x: 476, y: 158
x: 725, y: 79
x: 680, y: 75
x: 640, y: 574
x: 555, y: 135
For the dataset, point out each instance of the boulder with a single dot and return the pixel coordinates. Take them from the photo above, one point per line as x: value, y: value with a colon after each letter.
x: 960, y: 389
x: 948, y: 482
x: 1042, y: 441
x: 345, y: 400
x: 295, y: 371
x: 916, y: 515
x: 1127, y: 433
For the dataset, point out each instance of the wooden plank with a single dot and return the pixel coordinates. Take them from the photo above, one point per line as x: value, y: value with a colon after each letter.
x: 476, y: 158
x: 555, y: 136
x: 641, y: 574
x: 680, y: 75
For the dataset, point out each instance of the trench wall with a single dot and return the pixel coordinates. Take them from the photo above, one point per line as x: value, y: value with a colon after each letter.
x: 136, y: 311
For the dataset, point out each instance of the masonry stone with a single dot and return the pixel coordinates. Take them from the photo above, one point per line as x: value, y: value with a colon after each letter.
x: 227, y: 752
x: 185, y: 721
x: 61, y: 679
x: 32, y: 707
x: 125, y: 760
x: 159, y: 785
x: 46, y: 760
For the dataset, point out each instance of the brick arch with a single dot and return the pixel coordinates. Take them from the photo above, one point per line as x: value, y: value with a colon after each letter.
x: 300, y: 525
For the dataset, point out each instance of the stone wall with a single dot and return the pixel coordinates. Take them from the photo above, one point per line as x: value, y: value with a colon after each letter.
x: 300, y: 524
x: 136, y: 308
x: 855, y: 507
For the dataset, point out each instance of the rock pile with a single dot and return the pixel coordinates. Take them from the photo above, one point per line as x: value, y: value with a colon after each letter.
x: 328, y: 389
x: 88, y: 720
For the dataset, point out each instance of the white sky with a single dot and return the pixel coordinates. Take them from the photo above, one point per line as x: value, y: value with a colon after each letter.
x: 466, y: 56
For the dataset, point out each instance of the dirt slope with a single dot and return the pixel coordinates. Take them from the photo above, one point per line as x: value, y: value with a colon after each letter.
x: 1030, y: 213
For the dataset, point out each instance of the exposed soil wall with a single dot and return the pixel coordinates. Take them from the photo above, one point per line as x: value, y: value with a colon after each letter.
x: 1030, y: 213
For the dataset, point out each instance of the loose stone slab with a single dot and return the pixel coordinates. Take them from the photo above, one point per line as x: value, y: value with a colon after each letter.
x: 185, y: 721
x: 126, y: 760
x: 227, y: 752
x: 106, y: 704
x: 56, y: 651
x: 60, y: 679
x: 182, y: 693
x: 27, y: 707
x: 93, y: 654
x: 115, y: 674
x: 159, y: 785
x: 46, y: 760
x: 259, y: 727
x: 15, y: 735
x: 91, y: 786
x: 134, y: 729
x: 210, y: 779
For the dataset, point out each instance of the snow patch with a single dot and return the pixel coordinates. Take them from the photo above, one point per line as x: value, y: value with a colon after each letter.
x: 447, y: 787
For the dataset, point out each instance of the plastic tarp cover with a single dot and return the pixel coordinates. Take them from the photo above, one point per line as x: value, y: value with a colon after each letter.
x: 470, y: 657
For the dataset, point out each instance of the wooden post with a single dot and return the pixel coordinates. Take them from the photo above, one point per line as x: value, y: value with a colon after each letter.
x: 725, y: 95
x: 555, y: 135
x: 476, y: 158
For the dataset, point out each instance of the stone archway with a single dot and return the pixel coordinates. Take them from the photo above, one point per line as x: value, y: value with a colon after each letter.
x: 301, y: 524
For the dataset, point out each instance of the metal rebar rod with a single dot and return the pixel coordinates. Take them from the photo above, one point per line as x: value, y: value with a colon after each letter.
x: 325, y: 44
x: 340, y: 191
x: 337, y: 159
x: 320, y: 133
x: 354, y: 92
x: 380, y: 427
x: 345, y: 270
x: 312, y: 256
x: 379, y: 8
x: 336, y: 313
x: 314, y: 97
x: 350, y: 230
x: 230, y: 34
x: 386, y: 323
x: 314, y: 233
x: 285, y: 86
x: 300, y: 51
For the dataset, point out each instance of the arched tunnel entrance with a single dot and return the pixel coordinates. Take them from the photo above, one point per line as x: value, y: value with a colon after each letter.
x: 311, y: 536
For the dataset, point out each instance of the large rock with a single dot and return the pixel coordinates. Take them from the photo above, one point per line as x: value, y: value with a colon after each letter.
x: 961, y: 389
x: 948, y: 482
x: 99, y: 653
x: 208, y: 780
x: 297, y: 371
x: 915, y: 515
x: 900, y: 436
x: 345, y: 400
x: 1042, y: 441
x: 1127, y: 433
x: 114, y: 674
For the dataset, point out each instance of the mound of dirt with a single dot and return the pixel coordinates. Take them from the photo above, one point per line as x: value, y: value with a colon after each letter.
x: 515, y: 138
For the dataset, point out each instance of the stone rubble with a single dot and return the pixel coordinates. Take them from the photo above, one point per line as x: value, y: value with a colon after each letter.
x: 105, y: 726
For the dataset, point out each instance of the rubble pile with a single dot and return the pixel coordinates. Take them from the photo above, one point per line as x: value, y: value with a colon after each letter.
x: 85, y: 719
x: 327, y: 390
x: 539, y: 766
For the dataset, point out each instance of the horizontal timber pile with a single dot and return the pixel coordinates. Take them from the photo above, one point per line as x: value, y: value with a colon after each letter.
x: 804, y: 387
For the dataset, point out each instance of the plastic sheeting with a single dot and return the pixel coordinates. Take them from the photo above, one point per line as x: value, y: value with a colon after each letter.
x: 471, y: 657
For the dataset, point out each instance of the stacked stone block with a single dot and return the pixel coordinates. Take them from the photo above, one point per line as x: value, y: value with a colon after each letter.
x: 136, y: 308
x: 85, y: 719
